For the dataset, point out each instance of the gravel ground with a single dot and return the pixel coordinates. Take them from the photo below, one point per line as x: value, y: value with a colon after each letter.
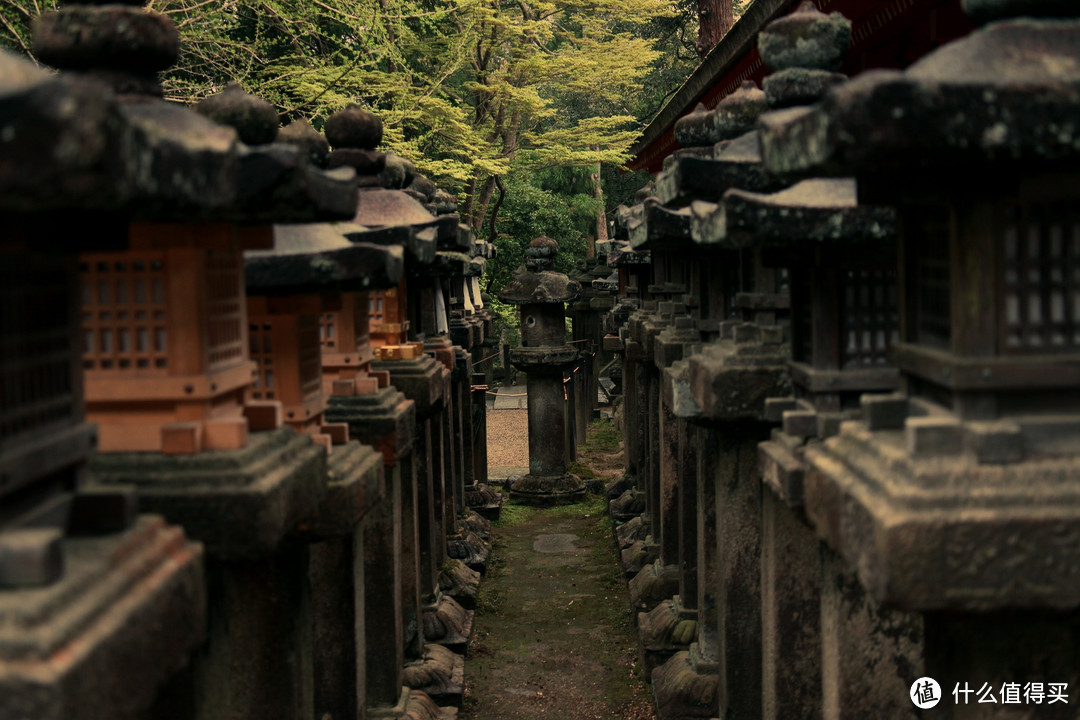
x: 507, y: 438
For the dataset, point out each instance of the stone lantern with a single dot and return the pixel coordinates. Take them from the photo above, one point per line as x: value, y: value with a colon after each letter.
x: 544, y: 356
x: 950, y: 508
x: 92, y: 595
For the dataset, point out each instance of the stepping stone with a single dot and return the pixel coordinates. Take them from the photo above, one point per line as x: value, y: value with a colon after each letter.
x: 555, y: 543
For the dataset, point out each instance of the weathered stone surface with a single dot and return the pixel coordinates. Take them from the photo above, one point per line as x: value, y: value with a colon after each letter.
x: 382, y: 207
x: 276, y: 183
x: 112, y: 37
x: 729, y: 385
x: 664, y: 631
x: 318, y: 258
x: 356, y: 483
x: 799, y: 86
x: 300, y: 133
x: 733, y: 116
x: 254, y: 119
x: 124, y: 617
x: 819, y: 210
x: 628, y: 505
x: 439, y: 674
x: 662, y: 228
x: 484, y: 499
x: 790, y: 613
x: 1010, y: 530
x: 737, y: 165
x: 468, y: 547
x: 354, y: 127
x: 448, y: 624
x: 547, y: 490
x: 397, y: 172
x: 384, y: 419
x: 683, y: 690
x: 149, y: 160
x: 445, y: 202
x: 634, y: 530
x: 459, y: 582
x: 654, y: 584
x: 807, y: 38
x: 1004, y: 94
x: 240, y: 503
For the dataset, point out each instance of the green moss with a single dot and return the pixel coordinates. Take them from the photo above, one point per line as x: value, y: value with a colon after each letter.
x: 582, y: 470
x: 602, y: 437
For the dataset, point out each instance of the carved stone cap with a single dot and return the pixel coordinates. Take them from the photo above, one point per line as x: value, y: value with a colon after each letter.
x: 733, y: 116
x: 540, y: 255
x: 354, y: 127
x: 254, y: 119
x: 807, y: 38
x: 302, y: 134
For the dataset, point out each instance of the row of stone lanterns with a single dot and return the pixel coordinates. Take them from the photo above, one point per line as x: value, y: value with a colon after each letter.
x: 316, y: 582
x: 848, y: 398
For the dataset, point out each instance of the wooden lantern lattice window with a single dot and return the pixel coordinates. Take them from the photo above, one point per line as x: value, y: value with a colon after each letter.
x: 328, y: 330
x: 262, y: 353
x: 377, y: 306
x: 870, y: 319
x: 124, y: 315
x: 1040, y: 251
x: 35, y: 349
x: 310, y: 357
x: 224, y: 308
x: 928, y: 233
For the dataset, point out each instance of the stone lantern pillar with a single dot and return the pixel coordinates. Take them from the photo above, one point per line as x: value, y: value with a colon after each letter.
x: 544, y: 356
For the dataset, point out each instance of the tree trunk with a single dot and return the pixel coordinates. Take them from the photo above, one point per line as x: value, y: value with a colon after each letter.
x: 470, y: 199
x: 601, y: 215
x: 715, y: 18
x: 481, y: 206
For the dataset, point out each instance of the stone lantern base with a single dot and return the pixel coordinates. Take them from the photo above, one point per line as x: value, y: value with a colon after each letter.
x: 546, y: 490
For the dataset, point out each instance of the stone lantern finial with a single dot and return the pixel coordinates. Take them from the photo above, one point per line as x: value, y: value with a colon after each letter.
x: 254, y: 119
x: 804, y: 50
x: 355, y: 133
x: 733, y: 116
x: 300, y: 133
x: 540, y: 255
x: 122, y: 43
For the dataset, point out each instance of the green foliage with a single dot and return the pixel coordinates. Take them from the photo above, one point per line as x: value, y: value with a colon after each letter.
x: 506, y: 321
x: 493, y: 100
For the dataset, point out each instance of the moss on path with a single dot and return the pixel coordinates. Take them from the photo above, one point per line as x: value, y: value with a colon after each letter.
x: 552, y: 637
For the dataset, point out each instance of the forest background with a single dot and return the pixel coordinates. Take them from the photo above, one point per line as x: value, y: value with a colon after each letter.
x: 525, y: 109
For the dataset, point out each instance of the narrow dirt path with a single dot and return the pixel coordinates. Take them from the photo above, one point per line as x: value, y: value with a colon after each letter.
x: 552, y: 637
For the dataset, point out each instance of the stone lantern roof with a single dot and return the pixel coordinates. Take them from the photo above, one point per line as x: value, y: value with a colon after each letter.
x: 539, y: 283
x: 319, y: 258
x: 811, y: 211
